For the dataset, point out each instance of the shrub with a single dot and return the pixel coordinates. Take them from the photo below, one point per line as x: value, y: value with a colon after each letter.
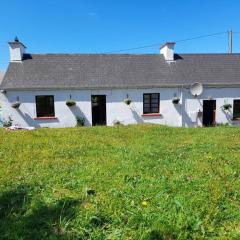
x: 222, y: 124
x: 80, y: 121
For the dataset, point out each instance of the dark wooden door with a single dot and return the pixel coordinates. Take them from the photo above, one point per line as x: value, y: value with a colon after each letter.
x: 98, y: 110
x: 209, y: 110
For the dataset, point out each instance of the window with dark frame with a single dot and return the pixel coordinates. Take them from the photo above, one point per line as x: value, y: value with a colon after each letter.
x: 151, y: 103
x: 236, y: 109
x: 45, y: 106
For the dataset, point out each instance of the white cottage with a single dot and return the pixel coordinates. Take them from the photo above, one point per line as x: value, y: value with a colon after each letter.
x: 182, y: 90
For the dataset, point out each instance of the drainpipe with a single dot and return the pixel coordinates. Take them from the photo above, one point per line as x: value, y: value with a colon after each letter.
x: 183, y: 102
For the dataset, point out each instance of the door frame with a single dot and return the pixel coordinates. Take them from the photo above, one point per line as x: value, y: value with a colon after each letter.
x: 214, y: 112
x: 105, y: 98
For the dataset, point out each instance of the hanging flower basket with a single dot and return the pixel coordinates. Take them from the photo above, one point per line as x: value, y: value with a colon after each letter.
x: 70, y: 103
x: 16, y: 104
x: 226, y: 106
x: 176, y: 100
x: 127, y: 101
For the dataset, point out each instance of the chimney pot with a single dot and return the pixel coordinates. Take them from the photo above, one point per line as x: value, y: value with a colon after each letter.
x: 16, y: 39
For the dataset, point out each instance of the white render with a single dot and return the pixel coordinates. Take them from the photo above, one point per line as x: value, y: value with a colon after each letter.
x: 184, y: 114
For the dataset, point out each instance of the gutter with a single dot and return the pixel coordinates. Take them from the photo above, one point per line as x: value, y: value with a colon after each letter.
x: 187, y: 86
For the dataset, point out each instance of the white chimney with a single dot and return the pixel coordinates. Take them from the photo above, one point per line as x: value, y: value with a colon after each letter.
x: 167, y: 49
x: 17, y: 49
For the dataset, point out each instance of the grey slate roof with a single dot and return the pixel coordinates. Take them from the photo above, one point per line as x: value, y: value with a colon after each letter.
x: 93, y: 71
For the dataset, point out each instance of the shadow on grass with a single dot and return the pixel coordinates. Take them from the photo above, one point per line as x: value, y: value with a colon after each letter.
x: 23, y: 218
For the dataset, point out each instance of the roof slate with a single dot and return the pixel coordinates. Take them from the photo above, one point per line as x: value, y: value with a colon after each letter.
x: 94, y: 71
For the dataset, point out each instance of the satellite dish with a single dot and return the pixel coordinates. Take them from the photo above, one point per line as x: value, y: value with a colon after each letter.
x: 196, y: 89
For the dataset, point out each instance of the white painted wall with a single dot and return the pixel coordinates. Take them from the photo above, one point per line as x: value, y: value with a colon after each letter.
x: 116, y: 108
x: 219, y: 94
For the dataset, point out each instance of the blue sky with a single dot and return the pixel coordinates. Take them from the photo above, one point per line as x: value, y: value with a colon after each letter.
x: 94, y: 26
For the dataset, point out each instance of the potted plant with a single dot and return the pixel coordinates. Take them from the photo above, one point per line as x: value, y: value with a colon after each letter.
x: 80, y: 121
x: 8, y: 123
x: 176, y: 100
x: 117, y: 123
x: 70, y: 103
x: 16, y: 104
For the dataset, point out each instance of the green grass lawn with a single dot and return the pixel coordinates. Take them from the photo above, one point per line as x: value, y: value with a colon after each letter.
x: 135, y: 182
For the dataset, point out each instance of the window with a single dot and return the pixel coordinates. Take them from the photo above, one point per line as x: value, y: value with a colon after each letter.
x: 151, y: 103
x: 236, y: 109
x: 45, y: 106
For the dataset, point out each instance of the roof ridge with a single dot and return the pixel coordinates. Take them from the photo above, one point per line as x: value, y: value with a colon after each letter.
x: 228, y: 54
x: 127, y: 54
x: 92, y: 54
